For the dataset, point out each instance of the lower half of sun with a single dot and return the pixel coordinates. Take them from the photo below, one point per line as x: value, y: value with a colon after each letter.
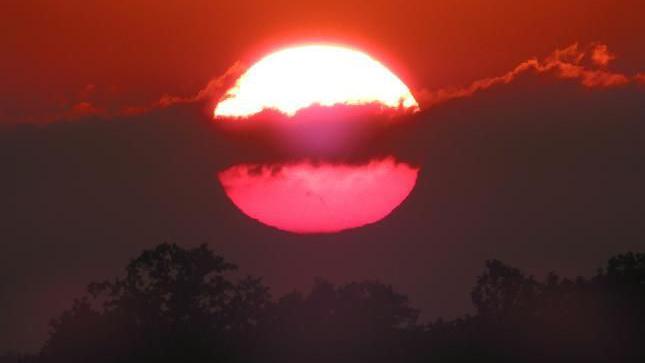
x: 325, y: 196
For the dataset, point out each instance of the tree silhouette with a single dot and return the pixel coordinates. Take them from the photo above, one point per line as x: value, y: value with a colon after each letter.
x: 176, y: 304
x: 170, y: 302
x: 190, y: 305
x: 520, y: 319
x: 501, y: 290
x: 359, y: 320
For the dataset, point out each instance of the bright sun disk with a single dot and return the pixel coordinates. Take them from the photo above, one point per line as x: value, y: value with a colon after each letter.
x: 294, y: 78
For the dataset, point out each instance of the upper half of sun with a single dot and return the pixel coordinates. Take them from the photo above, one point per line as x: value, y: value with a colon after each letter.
x: 298, y: 77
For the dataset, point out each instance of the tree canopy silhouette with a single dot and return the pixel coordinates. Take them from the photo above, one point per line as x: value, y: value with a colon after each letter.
x: 170, y: 302
x: 190, y: 305
x: 520, y: 319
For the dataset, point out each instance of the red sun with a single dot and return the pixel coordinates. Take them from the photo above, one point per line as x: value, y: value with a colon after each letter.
x: 302, y: 196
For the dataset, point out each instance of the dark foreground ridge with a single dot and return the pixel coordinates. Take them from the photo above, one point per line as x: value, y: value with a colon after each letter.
x: 190, y: 305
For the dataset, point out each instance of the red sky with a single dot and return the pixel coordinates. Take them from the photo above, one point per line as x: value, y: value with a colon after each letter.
x: 112, y: 54
x: 540, y: 172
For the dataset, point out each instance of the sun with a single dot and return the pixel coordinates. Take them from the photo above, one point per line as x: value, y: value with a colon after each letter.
x: 308, y: 84
x: 294, y: 78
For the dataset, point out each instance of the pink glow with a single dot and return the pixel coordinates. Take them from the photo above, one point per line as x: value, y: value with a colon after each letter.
x: 319, y: 198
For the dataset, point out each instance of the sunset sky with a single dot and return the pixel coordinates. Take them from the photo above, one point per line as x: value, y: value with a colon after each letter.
x: 529, y: 142
x: 110, y: 55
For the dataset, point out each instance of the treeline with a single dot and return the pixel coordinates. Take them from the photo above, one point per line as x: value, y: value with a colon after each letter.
x: 183, y: 305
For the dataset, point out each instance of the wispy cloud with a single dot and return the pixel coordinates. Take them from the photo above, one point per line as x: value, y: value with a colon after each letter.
x: 214, y: 89
x: 85, y: 107
x: 588, y: 65
x: 567, y: 63
x: 601, y: 56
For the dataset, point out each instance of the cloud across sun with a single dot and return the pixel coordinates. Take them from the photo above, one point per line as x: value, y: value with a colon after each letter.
x: 299, y: 195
